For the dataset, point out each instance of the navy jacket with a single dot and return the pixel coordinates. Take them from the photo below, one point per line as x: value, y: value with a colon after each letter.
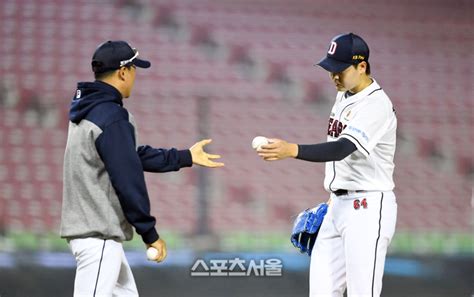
x: 104, y: 185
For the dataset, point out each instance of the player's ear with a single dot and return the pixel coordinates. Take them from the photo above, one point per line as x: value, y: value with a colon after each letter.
x: 122, y: 73
x: 362, y: 67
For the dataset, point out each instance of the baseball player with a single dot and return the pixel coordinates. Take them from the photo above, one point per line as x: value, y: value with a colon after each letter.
x: 105, y: 194
x: 352, y: 243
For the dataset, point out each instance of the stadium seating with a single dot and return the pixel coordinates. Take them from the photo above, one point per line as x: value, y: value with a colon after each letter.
x: 232, y: 70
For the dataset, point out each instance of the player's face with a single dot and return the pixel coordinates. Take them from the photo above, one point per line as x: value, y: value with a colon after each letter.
x: 348, y: 79
x: 129, y: 79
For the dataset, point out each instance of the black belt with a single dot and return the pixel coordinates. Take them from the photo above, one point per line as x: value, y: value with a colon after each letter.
x: 341, y: 192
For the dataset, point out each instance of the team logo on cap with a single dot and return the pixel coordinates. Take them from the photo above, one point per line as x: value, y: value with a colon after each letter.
x: 332, y: 48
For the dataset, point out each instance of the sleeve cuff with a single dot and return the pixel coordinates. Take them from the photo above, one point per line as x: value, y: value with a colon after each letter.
x: 185, y: 158
x: 150, y: 236
x: 299, y: 152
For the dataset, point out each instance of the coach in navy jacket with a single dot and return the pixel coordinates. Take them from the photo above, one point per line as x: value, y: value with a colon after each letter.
x: 104, y: 192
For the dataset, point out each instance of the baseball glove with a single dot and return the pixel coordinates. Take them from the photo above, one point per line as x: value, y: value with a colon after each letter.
x: 306, y: 228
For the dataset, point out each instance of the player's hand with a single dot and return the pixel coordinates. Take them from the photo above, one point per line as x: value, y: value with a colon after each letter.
x: 160, y: 245
x: 200, y: 157
x: 277, y: 149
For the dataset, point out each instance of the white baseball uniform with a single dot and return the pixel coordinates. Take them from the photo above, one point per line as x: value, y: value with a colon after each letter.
x: 352, y: 243
x: 102, y: 269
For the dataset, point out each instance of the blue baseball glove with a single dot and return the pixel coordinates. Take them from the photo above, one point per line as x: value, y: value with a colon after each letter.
x: 306, y: 227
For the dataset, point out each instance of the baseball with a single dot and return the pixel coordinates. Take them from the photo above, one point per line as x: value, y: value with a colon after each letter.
x: 258, y: 141
x: 151, y: 253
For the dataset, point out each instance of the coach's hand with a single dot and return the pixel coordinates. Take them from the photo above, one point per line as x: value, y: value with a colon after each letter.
x: 160, y: 245
x: 277, y: 149
x: 200, y: 157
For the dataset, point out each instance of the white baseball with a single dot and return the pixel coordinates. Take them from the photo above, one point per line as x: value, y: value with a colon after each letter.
x: 258, y: 141
x: 151, y: 253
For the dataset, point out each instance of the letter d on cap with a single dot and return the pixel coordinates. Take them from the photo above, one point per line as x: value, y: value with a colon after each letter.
x: 332, y: 48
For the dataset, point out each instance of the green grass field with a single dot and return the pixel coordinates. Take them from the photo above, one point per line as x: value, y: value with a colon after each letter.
x: 437, y: 243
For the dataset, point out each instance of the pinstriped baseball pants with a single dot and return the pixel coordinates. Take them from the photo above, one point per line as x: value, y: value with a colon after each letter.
x: 352, y: 244
x: 102, y: 269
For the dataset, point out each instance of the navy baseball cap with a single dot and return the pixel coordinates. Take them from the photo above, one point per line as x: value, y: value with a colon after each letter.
x: 345, y: 50
x: 112, y: 55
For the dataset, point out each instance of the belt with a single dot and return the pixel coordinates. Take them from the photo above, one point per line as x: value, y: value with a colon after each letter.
x: 341, y: 192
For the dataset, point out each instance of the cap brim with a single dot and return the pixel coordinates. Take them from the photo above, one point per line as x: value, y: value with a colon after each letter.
x: 333, y: 65
x: 141, y: 63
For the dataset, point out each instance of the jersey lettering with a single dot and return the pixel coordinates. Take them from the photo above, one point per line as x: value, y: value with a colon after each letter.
x: 335, y: 127
x: 332, y: 48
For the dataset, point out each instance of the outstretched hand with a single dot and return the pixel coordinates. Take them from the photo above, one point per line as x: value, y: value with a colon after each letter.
x: 277, y: 149
x: 200, y: 157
